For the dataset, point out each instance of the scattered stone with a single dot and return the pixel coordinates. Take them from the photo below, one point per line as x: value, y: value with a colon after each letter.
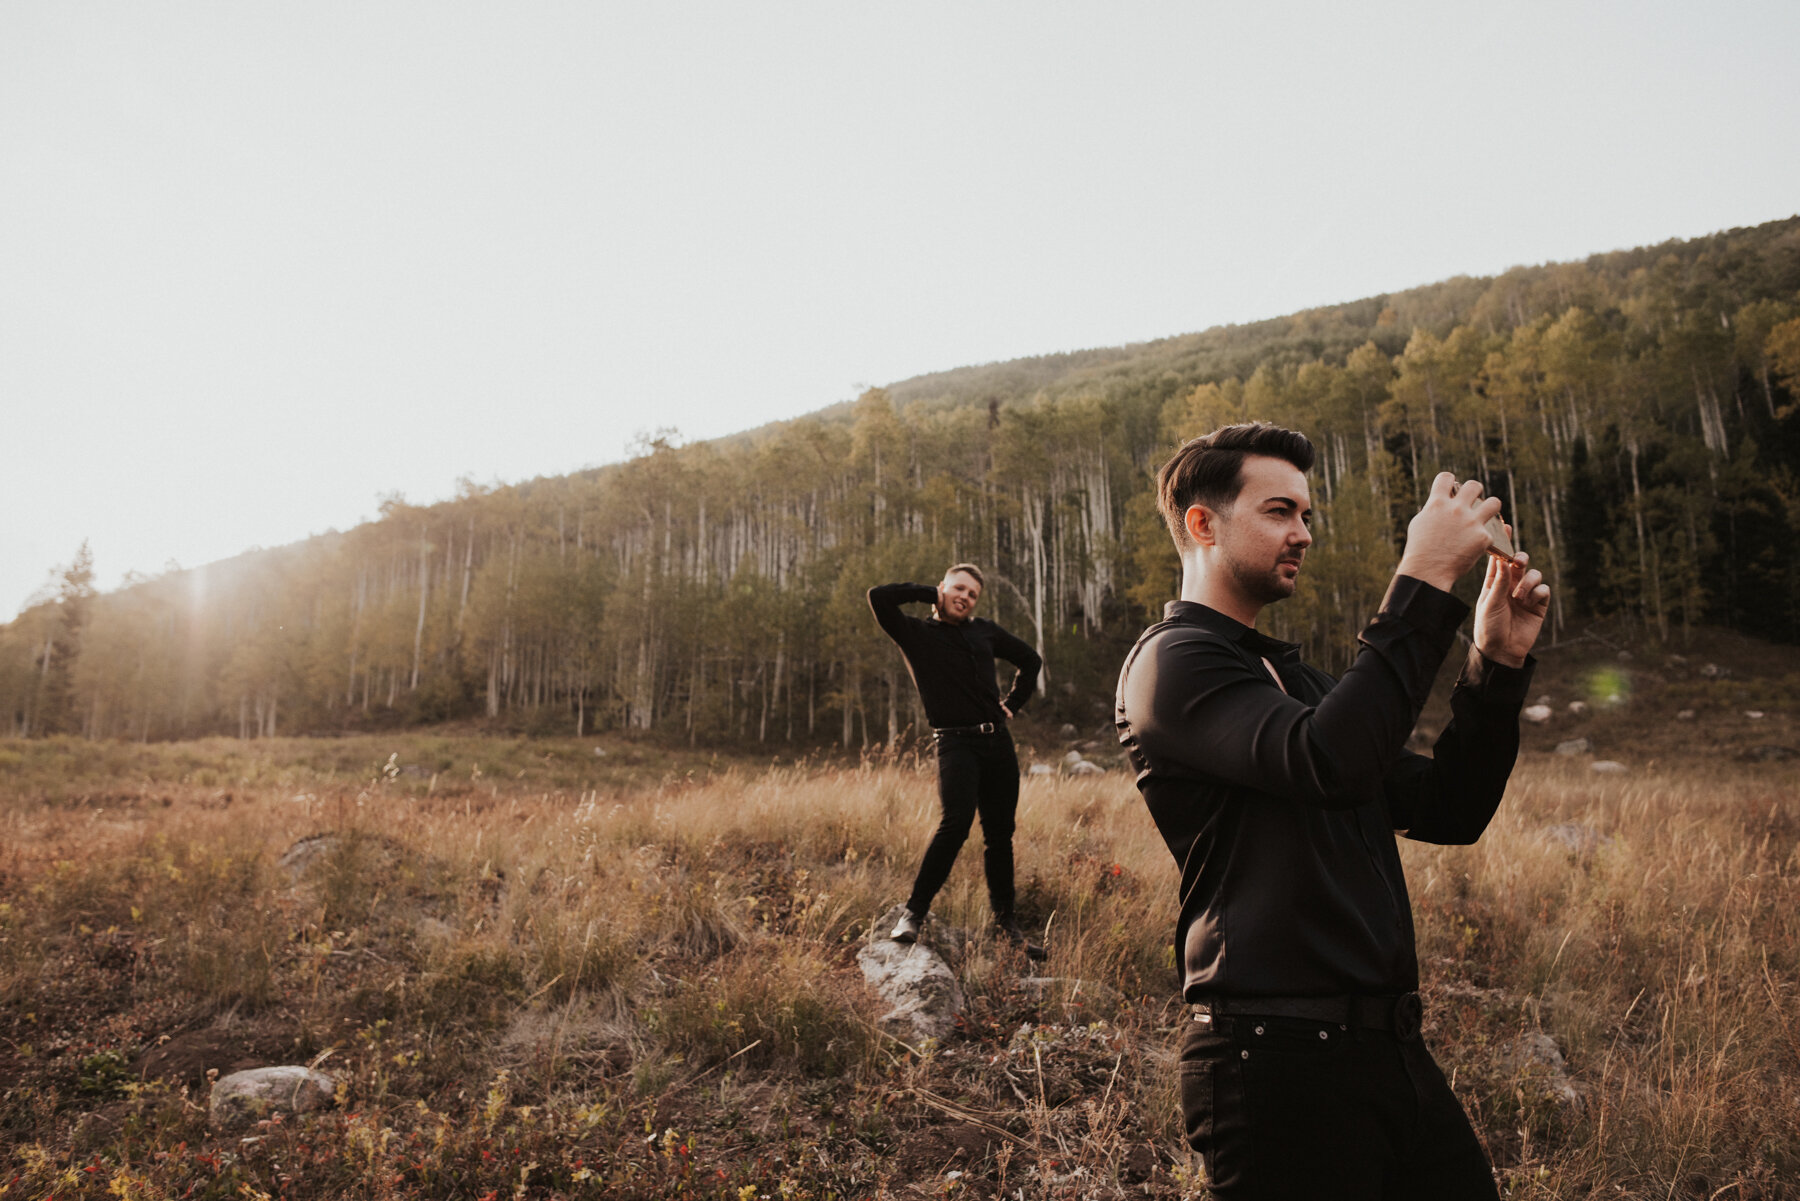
x: 1685, y: 715
x: 915, y: 980
x: 1042, y: 769
x: 1576, y: 838
x: 599, y: 751
x: 1537, y: 715
x: 1084, y: 768
x: 1544, y: 700
x: 1613, y: 698
x: 372, y: 853
x: 1574, y: 746
x: 1677, y: 660
x: 1577, y: 708
x: 243, y: 1098
x: 1543, y: 1071
x: 1711, y: 671
x: 1609, y: 767
x: 1068, y: 730
x: 1624, y: 656
x: 1754, y: 714
x: 307, y: 851
x: 1071, y: 759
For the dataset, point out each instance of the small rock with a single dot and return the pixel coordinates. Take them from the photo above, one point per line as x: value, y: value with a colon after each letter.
x: 1071, y: 759
x: 599, y: 750
x: 1042, y: 769
x: 1544, y: 700
x: 1613, y: 698
x: 246, y: 1097
x: 1624, y: 656
x: 1068, y: 730
x: 307, y: 851
x: 1574, y: 746
x: 1711, y: 671
x: 1540, y: 1062
x: 1685, y: 715
x: 1084, y: 768
x: 1608, y: 767
x: 1537, y: 715
x: 1677, y: 660
x: 1577, y: 708
x: 1576, y: 838
x: 1754, y: 714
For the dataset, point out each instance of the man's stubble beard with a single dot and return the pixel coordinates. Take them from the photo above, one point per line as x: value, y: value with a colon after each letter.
x: 1266, y: 586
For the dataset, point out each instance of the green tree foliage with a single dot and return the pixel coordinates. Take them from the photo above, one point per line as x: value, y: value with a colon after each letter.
x: 1636, y: 412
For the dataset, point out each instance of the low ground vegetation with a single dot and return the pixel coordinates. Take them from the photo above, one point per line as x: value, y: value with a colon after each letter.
x: 536, y: 971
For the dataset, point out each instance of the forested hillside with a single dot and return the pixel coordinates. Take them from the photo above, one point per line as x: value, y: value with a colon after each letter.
x: 1636, y: 411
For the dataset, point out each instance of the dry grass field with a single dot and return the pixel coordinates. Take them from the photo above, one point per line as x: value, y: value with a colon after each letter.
x: 538, y: 972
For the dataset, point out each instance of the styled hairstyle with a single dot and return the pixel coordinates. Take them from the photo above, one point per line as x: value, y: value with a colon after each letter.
x: 968, y: 567
x: 1208, y: 470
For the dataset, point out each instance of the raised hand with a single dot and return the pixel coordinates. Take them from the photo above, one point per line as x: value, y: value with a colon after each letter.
x: 1447, y: 535
x: 1510, y: 611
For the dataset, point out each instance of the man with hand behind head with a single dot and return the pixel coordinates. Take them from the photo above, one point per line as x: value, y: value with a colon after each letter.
x: 951, y: 657
x: 1280, y: 791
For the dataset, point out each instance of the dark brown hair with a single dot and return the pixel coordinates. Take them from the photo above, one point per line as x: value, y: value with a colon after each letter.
x: 970, y: 568
x: 1208, y: 470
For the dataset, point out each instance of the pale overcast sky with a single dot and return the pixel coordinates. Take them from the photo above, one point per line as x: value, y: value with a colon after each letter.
x: 261, y: 263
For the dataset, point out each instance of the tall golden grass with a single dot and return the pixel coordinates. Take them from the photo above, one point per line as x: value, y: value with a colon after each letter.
x: 541, y: 980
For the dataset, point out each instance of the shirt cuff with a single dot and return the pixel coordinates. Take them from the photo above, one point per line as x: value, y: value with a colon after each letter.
x: 1431, y: 611
x: 1498, y: 684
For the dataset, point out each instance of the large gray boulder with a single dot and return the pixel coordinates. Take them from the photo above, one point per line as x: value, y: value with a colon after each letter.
x: 243, y: 1098
x: 915, y: 980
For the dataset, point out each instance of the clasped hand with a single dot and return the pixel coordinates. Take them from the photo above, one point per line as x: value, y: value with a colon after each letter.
x: 1446, y: 538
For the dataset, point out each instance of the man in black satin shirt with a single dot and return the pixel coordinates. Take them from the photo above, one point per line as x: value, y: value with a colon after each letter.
x: 1280, y: 791
x: 951, y: 656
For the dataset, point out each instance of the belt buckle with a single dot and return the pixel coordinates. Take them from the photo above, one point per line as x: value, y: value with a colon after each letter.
x: 1409, y: 1015
x: 986, y: 727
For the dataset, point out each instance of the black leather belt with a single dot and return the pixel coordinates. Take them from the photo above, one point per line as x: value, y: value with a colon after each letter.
x: 1400, y: 1016
x: 986, y: 727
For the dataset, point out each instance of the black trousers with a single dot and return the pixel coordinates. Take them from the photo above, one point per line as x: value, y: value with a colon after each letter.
x: 1287, y: 1108
x: 977, y: 774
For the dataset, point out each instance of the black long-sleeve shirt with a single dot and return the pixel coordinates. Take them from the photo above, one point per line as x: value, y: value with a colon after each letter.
x: 1281, y: 807
x: 952, y: 663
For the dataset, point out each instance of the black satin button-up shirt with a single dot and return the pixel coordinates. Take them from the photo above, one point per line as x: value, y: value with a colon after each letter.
x: 952, y: 663
x: 1281, y: 807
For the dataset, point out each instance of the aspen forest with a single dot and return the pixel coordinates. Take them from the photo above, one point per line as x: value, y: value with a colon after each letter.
x: 1635, y: 411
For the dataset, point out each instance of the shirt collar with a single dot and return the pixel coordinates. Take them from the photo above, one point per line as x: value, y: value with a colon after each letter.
x: 1193, y: 613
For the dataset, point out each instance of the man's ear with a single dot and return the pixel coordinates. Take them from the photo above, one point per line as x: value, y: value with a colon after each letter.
x: 1202, y: 525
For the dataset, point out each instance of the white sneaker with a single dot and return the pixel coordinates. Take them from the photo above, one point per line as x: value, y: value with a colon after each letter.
x: 907, y: 928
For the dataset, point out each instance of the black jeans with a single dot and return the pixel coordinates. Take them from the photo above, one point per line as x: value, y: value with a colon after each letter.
x: 977, y: 773
x: 1287, y: 1108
